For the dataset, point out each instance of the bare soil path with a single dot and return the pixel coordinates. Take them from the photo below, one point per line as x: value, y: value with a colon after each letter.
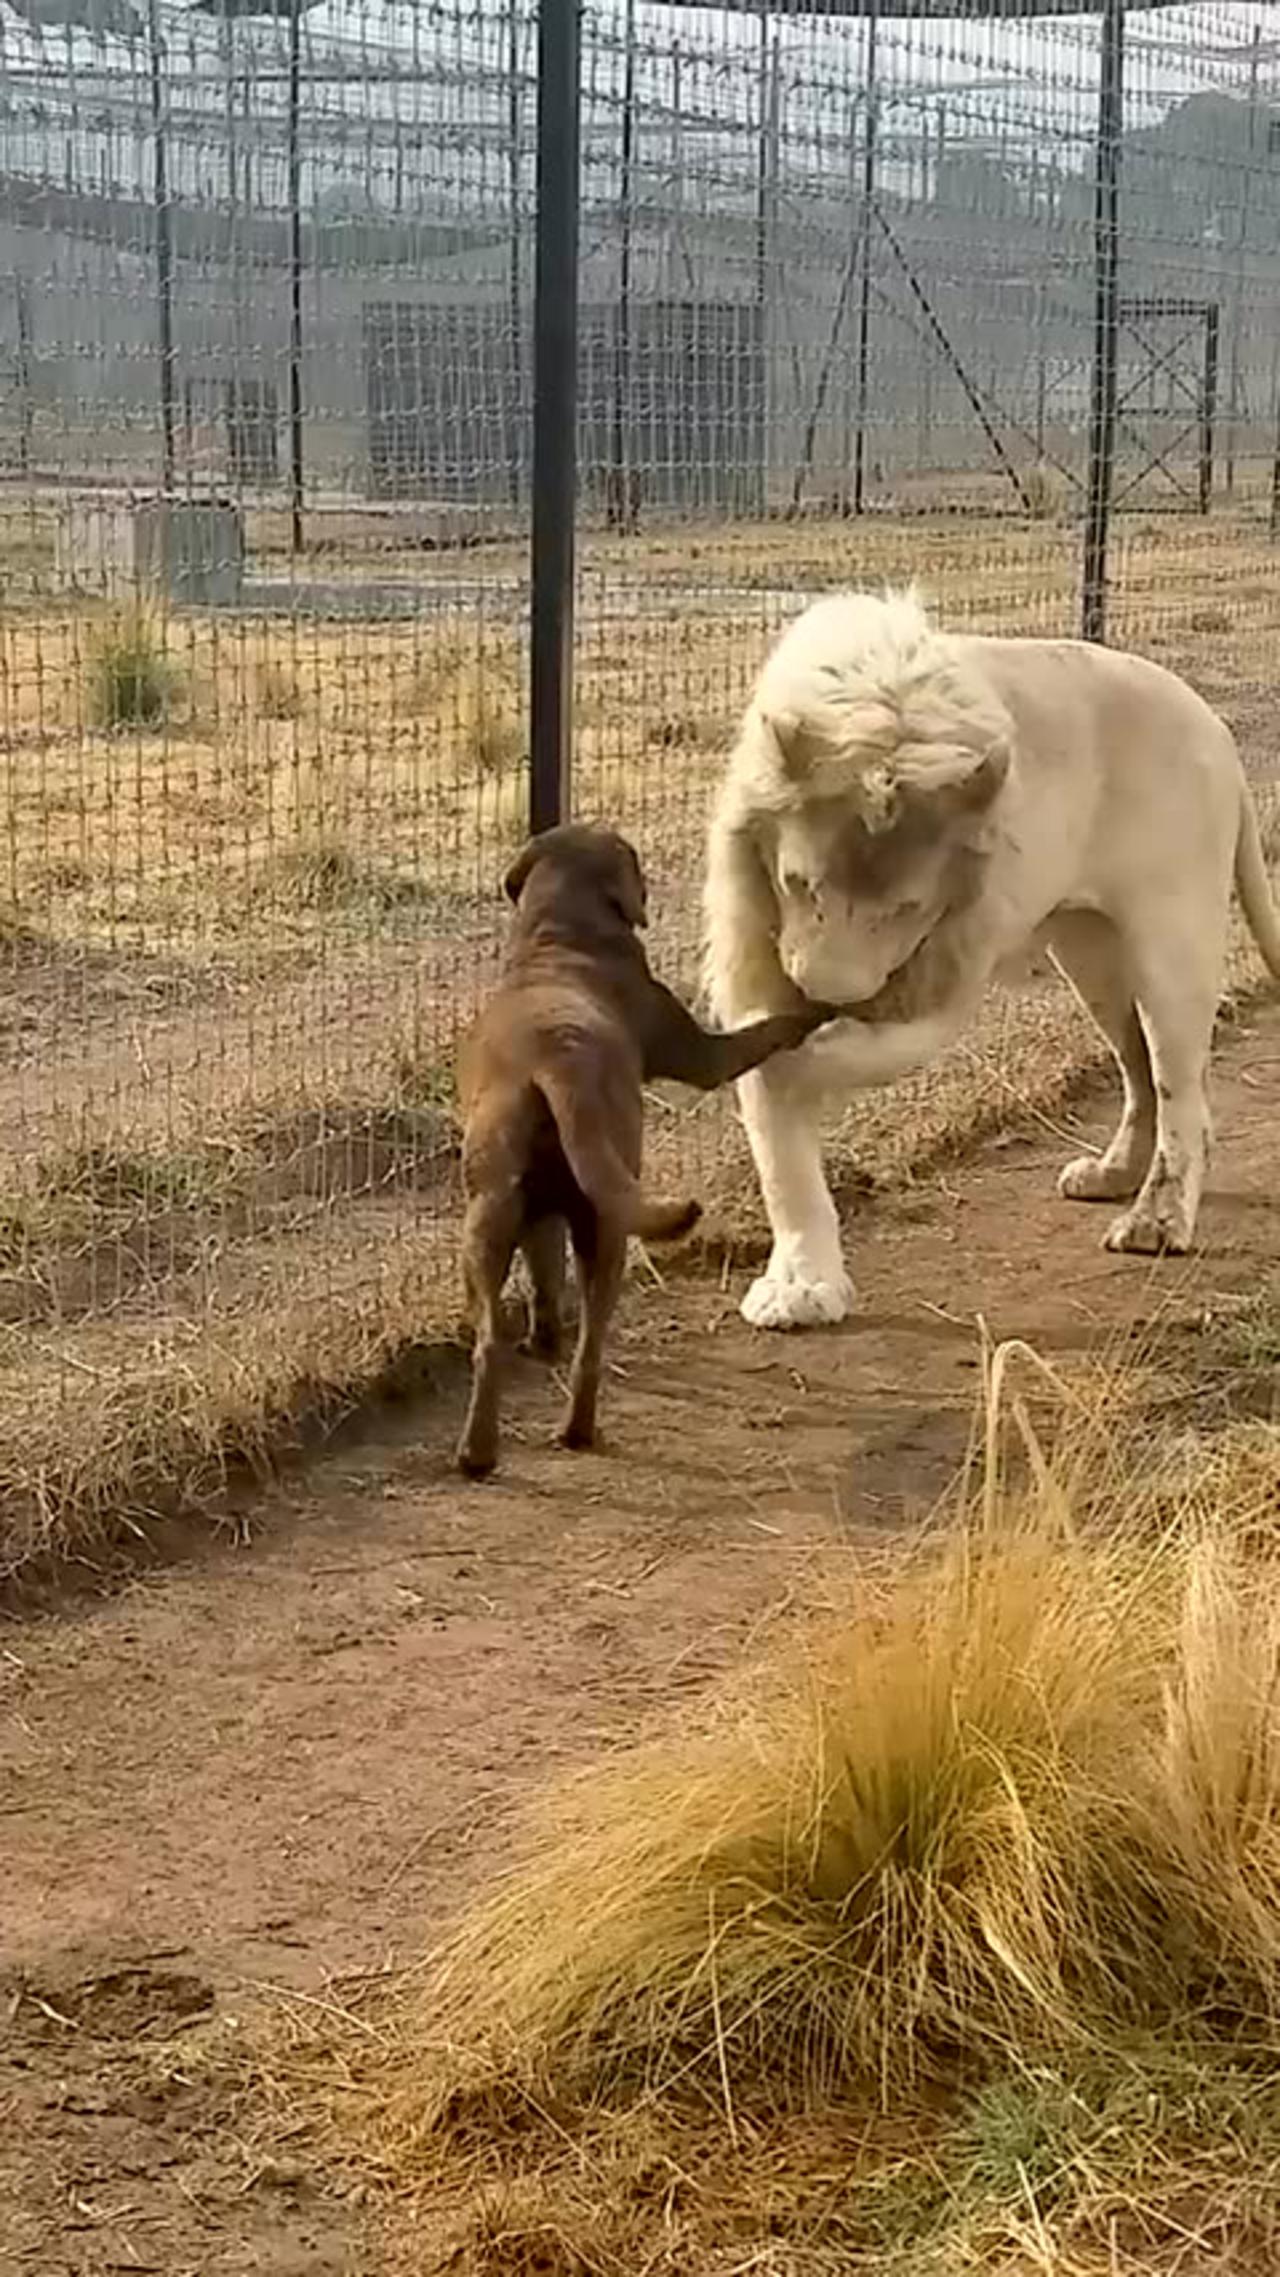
x: 277, y: 1762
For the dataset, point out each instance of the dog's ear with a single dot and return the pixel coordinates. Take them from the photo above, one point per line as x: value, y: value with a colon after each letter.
x: 517, y: 877
x: 627, y: 889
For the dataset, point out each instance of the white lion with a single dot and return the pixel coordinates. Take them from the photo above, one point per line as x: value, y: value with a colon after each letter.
x: 908, y: 811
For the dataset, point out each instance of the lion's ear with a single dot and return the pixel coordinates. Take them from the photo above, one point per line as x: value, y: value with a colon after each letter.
x: 976, y: 792
x: 955, y: 782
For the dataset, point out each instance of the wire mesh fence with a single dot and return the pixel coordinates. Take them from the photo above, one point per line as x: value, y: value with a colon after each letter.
x: 265, y: 395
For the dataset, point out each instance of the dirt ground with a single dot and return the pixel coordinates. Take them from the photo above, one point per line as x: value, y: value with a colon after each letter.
x: 276, y: 1762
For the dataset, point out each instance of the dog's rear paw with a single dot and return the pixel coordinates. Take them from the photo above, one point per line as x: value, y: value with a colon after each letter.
x: 786, y: 1300
x: 477, y: 1462
x: 578, y: 1438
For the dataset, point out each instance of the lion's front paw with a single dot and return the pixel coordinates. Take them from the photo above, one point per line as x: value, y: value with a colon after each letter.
x: 784, y: 1298
x: 1091, y: 1178
x: 1152, y: 1230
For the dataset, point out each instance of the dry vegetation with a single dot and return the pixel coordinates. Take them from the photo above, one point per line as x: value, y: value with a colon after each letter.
x: 249, y: 882
x: 945, y: 1937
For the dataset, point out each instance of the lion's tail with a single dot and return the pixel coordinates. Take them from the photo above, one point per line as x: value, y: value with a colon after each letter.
x: 1254, y: 885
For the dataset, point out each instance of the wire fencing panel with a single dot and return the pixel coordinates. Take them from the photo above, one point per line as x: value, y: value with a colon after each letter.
x: 265, y: 338
x: 257, y: 795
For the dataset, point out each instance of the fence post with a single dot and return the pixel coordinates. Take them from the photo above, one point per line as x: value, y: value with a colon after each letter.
x: 163, y: 248
x: 297, y: 478
x: 1106, y: 258
x: 870, y: 155
x: 1208, y: 406
x: 555, y: 407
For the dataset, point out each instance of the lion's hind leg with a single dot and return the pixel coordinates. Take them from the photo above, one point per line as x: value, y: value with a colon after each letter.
x: 1179, y: 983
x: 1092, y: 956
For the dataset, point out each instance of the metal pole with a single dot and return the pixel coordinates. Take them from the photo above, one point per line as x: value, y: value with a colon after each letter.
x: 26, y: 411
x: 1042, y: 367
x: 164, y: 254
x: 1237, y: 305
x: 1208, y: 406
x: 619, y: 508
x: 296, y: 469
x: 766, y: 220
x: 1106, y: 310
x: 236, y: 412
x: 555, y: 405
x: 862, y: 351
x: 1275, y: 469
x: 515, y: 274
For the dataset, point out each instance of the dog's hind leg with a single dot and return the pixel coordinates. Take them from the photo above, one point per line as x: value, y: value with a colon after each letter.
x: 489, y: 1234
x: 600, y: 1249
x: 543, y: 1247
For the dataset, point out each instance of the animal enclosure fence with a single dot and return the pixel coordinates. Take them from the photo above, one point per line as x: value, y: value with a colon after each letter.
x: 974, y: 295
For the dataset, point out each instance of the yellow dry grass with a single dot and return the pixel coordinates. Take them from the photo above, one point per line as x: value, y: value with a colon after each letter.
x: 287, y: 891
x: 945, y: 1937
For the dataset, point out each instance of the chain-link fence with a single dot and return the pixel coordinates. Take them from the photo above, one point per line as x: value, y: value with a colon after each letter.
x: 265, y: 393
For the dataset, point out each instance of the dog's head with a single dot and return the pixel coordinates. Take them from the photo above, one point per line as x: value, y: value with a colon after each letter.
x: 585, y: 866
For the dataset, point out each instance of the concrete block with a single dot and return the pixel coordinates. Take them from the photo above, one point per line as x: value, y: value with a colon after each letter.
x: 186, y: 551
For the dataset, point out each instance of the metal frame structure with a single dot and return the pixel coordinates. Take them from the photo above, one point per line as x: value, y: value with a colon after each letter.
x: 1203, y: 320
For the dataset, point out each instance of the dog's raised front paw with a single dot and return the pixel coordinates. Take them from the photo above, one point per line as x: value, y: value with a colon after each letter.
x: 787, y: 1300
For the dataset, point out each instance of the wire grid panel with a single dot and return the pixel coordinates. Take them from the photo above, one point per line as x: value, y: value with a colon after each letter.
x: 263, y: 687
x: 839, y: 279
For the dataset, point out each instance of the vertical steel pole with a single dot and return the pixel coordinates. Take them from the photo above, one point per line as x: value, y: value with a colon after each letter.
x: 164, y: 253
x: 515, y: 265
x: 1106, y: 309
x: 1208, y: 406
x: 766, y: 225
x: 620, y: 502
x: 294, y: 131
x: 555, y: 405
x: 1234, y: 390
x: 862, y: 351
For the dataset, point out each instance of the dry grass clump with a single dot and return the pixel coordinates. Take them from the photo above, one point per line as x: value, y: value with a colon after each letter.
x: 131, y: 678
x: 471, y: 686
x: 953, y: 1925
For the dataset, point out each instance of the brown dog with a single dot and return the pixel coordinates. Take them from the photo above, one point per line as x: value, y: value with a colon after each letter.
x: 550, y: 1081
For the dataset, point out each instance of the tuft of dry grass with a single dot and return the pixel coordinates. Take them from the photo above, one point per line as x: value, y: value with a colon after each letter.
x: 948, y: 1930
x: 278, y: 696
x: 131, y: 678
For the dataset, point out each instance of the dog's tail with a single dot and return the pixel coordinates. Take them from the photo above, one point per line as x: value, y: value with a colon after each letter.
x: 1254, y: 886
x: 601, y: 1172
